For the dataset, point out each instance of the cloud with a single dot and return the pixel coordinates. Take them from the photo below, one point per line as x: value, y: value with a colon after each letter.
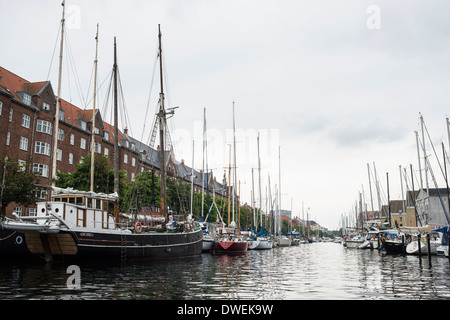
x: 348, y: 131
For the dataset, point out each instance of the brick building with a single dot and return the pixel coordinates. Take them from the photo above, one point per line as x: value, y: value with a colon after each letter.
x: 27, y: 113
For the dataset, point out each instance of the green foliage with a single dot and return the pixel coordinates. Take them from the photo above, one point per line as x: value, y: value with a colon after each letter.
x: 103, y: 176
x: 19, y: 183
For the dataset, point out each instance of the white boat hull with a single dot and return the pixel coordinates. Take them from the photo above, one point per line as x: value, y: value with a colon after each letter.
x: 253, y: 244
x: 284, y: 242
x: 413, y: 248
x: 264, y: 245
x: 353, y: 243
x: 207, y: 244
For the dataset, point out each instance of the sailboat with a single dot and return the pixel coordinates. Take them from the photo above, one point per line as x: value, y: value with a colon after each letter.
x: 265, y: 243
x: 229, y: 239
x: 78, y: 225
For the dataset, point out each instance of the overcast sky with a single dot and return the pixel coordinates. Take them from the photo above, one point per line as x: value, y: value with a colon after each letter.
x: 335, y: 84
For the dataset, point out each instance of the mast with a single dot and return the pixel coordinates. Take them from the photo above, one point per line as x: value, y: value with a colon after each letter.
x: 259, y: 178
x: 234, y: 161
x: 229, y: 189
x: 116, y: 137
x: 389, y: 201
x: 279, y: 188
x: 93, y: 114
x: 203, y: 166
x: 116, y: 124
x: 162, y: 124
x: 192, y: 179
x: 58, y: 99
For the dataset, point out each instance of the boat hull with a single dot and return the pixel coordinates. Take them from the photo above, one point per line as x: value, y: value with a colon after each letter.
x: 353, y: 243
x: 13, y: 245
x: 413, y: 248
x: 230, y: 247
x: 253, y: 244
x: 393, y: 247
x: 207, y: 244
x: 85, y: 245
x: 284, y: 242
x: 264, y: 245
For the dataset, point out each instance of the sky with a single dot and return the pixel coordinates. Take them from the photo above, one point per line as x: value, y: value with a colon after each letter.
x: 330, y: 86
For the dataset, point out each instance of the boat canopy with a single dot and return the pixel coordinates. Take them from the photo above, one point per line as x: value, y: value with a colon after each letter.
x: 69, y: 191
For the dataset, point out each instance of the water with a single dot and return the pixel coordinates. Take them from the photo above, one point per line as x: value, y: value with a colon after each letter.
x: 305, y: 272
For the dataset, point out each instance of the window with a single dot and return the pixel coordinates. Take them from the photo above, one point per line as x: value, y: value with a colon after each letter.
x: 59, y: 155
x: 106, y: 152
x: 26, y: 121
x: 72, y: 139
x: 8, y: 138
x: 11, y: 111
x: 97, y: 147
x: 70, y: 158
x: 45, y: 106
x: 83, y: 124
x: 61, y: 115
x: 27, y: 99
x: 105, y: 134
x: 41, y: 194
x: 96, y: 131
x: 42, y: 169
x: 18, y: 210
x: 44, y: 127
x: 42, y: 148
x: 83, y: 143
x: 23, y: 144
x: 32, y: 212
x: 133, y: 162
x: 1, y: 107
x: 125, y: 158
x: 60, y: 134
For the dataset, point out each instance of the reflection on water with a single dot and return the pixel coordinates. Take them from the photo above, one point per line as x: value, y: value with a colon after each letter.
x: 307, y: 271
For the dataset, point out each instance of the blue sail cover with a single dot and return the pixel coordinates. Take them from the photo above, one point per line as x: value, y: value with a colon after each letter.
x: 445, y: 231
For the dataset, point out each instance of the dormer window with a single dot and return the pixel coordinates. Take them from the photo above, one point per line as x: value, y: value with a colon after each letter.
x: 106, y: 135
x: 83, y: 124
x: 27, y: 99
x: 61, y: 115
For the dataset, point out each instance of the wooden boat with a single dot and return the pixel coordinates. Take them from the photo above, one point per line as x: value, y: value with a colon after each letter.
x: 78, y: 224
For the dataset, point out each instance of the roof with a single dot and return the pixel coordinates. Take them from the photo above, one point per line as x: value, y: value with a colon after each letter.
x: 14, y: 85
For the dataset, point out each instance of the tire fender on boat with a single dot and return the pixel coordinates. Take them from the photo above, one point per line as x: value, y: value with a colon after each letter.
x: 138, y: 227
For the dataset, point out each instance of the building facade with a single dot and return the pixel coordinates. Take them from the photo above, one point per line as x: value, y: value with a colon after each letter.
x: 27, y: 129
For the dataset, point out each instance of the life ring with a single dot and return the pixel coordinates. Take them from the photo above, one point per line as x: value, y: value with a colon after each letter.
x: 138, y: 227
x: 19, y: 240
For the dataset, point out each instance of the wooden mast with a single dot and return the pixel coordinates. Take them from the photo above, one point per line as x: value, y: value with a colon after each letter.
x: 93, y: 114
x: 58, y: 100
x: 116, y: 137
x: 162, y: 123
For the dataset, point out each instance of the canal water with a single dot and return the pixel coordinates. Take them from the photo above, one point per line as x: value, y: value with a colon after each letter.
x: 323, y: 270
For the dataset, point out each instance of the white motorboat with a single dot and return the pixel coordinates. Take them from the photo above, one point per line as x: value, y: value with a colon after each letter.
x: 435, y: 242
x: 284, y: 242
x: 264, y: 244
x: 354, y: 242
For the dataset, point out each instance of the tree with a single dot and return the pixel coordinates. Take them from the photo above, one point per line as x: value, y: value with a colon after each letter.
x: 103, y: 176
x: 17, y: 184
x: 144, y: 190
